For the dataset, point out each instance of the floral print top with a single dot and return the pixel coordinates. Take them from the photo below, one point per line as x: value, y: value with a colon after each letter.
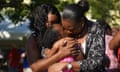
x: 95, y: 49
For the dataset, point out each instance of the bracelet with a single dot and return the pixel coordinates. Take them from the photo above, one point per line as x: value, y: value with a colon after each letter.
x: 43, y: 52
x: 69, y: 66
x: 79, y: 62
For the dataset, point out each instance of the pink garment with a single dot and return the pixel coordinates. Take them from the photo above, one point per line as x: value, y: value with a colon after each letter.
x: 110, y: 53
x: 68, y: 59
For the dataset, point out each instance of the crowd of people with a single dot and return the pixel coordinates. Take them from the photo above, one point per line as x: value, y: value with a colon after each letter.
x: 70, y: 42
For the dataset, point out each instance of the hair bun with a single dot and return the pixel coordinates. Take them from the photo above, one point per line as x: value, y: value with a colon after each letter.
x: 84, y: 4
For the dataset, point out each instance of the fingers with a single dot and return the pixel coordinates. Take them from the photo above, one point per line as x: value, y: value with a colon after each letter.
x: 75, y: 52
x: 70, y: 45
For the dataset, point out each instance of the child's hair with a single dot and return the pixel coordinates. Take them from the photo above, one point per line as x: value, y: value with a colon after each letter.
x: 51, y: 35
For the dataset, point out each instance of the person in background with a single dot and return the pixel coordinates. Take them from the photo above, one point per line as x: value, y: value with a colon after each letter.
x: 1, y: 59
x: 13, y: 59
x: 112, y: 64
x: 90, y: 35
x: 43, y: 17
x: 115, y: 42
x: 24, y: 62
x: 115, y: 45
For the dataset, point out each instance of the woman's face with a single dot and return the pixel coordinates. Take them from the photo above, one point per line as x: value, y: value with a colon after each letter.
x: 71, y: 28
x: 52, y: 19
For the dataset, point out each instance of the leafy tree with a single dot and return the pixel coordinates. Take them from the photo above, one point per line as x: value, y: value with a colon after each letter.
x: 108, y: 10
x: 19, y: 10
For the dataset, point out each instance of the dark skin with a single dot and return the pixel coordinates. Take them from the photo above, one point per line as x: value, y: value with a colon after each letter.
x: 52, y: 18
x: 50, y: 52
x: 115, y: 30
x: 71, y: 28
x: 115, y: 42
x: 40, y: 64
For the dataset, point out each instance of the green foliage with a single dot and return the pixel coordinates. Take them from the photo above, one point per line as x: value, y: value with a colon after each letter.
x: 99, y: 9
x: 17, y: 10
x: 106, y: 9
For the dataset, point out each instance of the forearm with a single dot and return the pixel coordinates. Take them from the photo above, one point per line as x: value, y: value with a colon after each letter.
x: 50, y: 53
x: 43, y: 64
x: 76, y: 66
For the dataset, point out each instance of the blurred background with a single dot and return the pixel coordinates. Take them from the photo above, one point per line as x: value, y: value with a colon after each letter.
x: 15, y: 14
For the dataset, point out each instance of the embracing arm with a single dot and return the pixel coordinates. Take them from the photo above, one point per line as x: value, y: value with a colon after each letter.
x: 94, y: 57
x: 37, y: 63
x: 40, y: 64
x: 95, y: 51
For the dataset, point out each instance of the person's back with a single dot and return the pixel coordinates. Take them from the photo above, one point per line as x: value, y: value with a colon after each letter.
x: 24, y: 61
x: 111, y: 59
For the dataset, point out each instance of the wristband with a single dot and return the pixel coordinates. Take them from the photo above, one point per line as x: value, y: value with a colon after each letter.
x: 69, y: 66
x: 43, y: 52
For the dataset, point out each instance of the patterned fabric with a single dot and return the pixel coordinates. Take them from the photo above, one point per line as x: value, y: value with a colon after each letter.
x: 95, y: 49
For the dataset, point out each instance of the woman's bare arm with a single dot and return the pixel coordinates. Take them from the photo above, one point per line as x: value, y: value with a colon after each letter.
x: 38, y: 63
x: 115, y: 42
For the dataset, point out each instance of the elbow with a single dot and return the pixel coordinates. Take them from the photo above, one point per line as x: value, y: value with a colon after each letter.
x: 35, y: 68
